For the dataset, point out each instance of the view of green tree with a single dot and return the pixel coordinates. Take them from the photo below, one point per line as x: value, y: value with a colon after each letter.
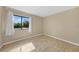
x: 17, y: 25
x: 24, y: 24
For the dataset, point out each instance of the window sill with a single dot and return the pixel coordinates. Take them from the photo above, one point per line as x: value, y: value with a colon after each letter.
x: 16, y: 29
x: 22, y: 31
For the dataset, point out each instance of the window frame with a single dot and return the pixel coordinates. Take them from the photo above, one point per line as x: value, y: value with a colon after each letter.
x: 21, y: 20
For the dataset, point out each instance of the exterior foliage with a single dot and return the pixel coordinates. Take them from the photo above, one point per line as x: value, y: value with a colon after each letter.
x: 21, y: 25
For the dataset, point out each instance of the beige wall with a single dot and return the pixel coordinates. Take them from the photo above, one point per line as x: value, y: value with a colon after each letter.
x: 36, y: 26
x: 63, y: 25
x: 0, y: 27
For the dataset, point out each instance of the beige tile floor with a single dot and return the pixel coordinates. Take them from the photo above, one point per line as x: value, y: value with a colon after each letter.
x: 40, y: 44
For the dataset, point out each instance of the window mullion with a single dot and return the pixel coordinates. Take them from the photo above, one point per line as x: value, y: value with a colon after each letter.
x: 21, y: 22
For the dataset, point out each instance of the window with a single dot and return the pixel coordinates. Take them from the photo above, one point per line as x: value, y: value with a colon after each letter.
x: 21, y: 22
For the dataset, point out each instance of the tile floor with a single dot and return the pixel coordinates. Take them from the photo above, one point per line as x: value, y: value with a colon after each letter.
x: 40, y: 44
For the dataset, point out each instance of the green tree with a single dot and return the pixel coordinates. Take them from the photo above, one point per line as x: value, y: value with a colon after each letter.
x: 25, y: 24
x: 17, y: 25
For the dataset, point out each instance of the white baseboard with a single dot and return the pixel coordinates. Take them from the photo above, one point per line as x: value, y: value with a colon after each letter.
x: 73, y: 43
x: 21, y: 39
x: 42, y: 34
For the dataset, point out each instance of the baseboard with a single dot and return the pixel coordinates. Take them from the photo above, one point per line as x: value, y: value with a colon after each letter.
x: 20, y: 39
x: 63, y: 40
x: 42, y: 34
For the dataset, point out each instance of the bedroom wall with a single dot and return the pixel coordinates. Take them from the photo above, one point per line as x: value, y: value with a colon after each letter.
x: 0, y: 27
x: 36, y: 26
x: 64, y: 25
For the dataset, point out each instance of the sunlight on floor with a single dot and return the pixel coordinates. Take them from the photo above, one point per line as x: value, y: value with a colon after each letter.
x: 24, y: 48
x: 28, y: 47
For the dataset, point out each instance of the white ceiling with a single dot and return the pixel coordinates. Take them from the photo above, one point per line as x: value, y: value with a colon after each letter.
x: 42, y: 10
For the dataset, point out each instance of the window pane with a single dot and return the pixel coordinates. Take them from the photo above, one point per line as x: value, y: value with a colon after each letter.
x: 25, y: 22
x: 17, y: 22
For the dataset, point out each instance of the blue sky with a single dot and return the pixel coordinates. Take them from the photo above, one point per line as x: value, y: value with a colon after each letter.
x: 17, y: 19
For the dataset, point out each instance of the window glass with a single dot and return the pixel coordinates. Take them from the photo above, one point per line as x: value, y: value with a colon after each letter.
x: 21, y: 22
x: 25, y: 22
